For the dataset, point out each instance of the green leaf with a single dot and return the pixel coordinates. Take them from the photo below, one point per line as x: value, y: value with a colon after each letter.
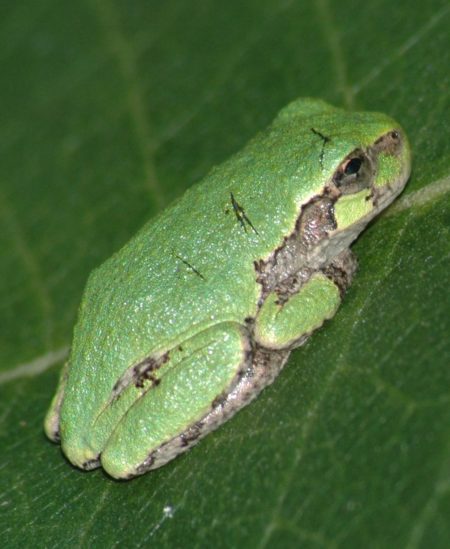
x: 110, y: 109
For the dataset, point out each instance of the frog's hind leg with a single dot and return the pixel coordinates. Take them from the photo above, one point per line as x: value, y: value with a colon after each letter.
x: 266, y: 365
x: 260, y: 372
x: 196, y: 375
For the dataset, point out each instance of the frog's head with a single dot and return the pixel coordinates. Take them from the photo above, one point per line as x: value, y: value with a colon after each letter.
x: 370, y: 178
x: 360, y: 160
x: 366, y: 164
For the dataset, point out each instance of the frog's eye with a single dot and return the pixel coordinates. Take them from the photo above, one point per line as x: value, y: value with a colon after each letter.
x: 352, y: 166
x: 354, y: 174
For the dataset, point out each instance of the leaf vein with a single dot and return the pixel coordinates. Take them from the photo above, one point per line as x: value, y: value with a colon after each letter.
x: 35, y: 366
x: 401, y: 50
x: 332, y: 38
x: 122, y: 50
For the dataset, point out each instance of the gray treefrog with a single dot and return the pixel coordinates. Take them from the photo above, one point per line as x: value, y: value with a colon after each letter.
x: 192, y: 318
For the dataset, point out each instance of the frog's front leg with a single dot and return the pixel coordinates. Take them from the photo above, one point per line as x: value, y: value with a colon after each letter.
x: 284, y: 323
x: 163, y: 421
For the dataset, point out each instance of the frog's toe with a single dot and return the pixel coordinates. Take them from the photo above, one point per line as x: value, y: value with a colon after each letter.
x: 81, y: 456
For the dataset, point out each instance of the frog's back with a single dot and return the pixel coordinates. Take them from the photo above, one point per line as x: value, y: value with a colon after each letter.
x: 193, y: 266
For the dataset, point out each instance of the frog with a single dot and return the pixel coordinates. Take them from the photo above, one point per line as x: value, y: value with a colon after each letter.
x: 191, y: 319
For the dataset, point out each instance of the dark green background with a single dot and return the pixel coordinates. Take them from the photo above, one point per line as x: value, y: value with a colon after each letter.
x: 109, y: 110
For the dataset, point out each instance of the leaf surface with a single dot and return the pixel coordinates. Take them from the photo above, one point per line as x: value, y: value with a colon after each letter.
x: 110, y: 110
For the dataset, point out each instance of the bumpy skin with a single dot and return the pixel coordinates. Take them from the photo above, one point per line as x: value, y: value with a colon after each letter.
x: 198, y: 312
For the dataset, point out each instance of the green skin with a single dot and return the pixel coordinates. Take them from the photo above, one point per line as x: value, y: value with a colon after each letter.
x: 197, y: 313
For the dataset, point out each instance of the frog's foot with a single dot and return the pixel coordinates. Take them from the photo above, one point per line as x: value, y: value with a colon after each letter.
x: 341, y: 270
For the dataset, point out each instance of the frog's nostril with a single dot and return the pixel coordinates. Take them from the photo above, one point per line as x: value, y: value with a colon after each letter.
x: 390, y: 143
